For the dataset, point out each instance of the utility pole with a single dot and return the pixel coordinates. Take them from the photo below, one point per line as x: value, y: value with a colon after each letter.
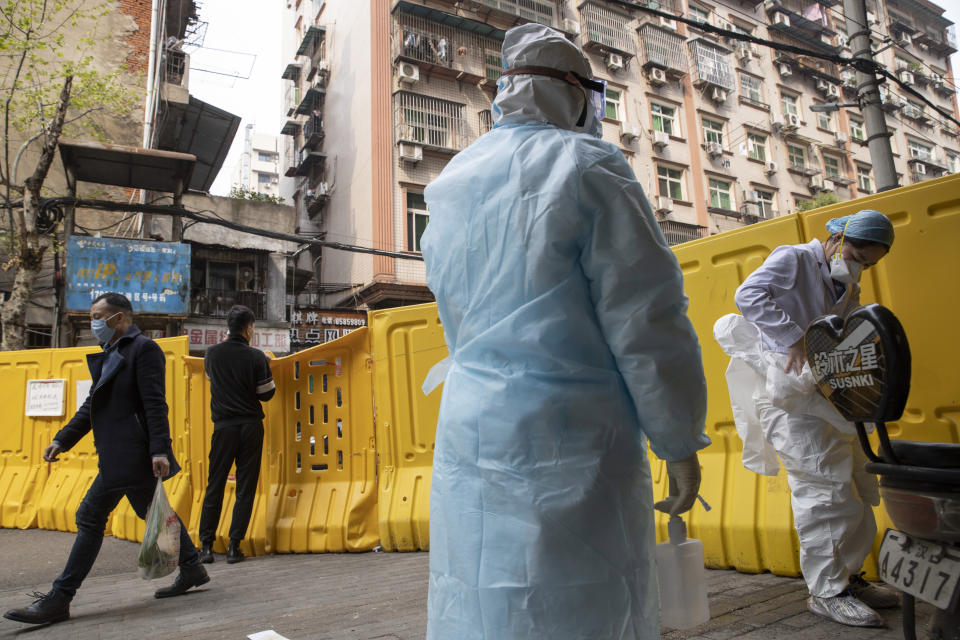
x: 868, y: 92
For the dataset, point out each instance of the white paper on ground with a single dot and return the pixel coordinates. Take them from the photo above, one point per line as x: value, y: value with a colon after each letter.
x: 269, y: 634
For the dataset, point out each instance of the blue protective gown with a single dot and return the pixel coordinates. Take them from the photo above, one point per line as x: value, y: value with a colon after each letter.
x: 564, y: 313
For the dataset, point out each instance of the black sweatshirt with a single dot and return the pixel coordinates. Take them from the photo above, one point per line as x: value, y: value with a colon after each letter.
x: 239, y: 379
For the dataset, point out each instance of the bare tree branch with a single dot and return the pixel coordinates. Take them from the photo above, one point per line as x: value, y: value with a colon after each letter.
x: 16, y: 160
x: 35, y: 181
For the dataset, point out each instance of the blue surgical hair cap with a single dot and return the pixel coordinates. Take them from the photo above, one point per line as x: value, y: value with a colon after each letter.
x: 867, y: 225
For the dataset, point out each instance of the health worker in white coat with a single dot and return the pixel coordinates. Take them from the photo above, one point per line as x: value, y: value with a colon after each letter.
x: 780, y: 412
x: 564, y: 313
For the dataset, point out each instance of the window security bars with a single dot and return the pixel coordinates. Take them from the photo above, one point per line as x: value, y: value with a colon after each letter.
x: 429, y: 121
x: 711, y: 64
x: 607, y: 28
x: 679, y: 232
x: 663, y: 48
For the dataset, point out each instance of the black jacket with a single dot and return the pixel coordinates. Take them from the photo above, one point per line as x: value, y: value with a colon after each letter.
x: 239, y: 379
x: 127, y: 410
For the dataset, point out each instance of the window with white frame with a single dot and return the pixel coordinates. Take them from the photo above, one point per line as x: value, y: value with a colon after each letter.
x: 712, y: 130
x: 919, y: 151
x: 857, y: 132
x: 670, y: 182
x: 831, y: 166
x: 417, y: 218
x: 696, y: 12
x: 664, y: 118
x: 953, y: 162
x: 797, y: 156
x: 864, y: 179
x: 263, y: 178
x: 790, y: 104
x: 264, y: 156
x: 825, y: 120
x: 751, y: 88
x: 721, y: 196
x: 613, y: 107
x: 765, y: 201
x: 757, y: 146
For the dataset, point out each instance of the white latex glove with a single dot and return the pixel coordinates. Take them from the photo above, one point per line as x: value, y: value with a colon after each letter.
x: 684, y: 486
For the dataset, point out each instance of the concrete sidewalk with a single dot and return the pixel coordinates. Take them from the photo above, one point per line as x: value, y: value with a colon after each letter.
x: 368, y: 596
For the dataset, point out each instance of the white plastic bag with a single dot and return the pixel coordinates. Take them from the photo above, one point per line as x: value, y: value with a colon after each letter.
x: 160, y: 550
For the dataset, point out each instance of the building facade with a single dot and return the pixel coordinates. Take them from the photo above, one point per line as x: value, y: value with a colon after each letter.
x: 379, y: 96
x: 259, y: 167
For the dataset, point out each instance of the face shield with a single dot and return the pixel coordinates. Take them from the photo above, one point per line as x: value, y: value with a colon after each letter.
x: 594, y: 91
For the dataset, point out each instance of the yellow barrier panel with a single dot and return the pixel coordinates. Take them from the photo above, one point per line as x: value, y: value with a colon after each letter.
x: 405, y: 343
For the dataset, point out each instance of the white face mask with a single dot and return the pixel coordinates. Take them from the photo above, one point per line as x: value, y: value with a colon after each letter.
x: 845, y: 271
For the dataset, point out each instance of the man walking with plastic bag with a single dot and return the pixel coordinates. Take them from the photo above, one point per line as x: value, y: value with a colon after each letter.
x: 564, y: 313
x: 779, y: 411
x: 127, y: 411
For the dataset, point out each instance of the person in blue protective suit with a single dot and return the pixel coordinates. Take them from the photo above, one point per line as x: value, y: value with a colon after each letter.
x: 831, y: 493
x: 565, y: 317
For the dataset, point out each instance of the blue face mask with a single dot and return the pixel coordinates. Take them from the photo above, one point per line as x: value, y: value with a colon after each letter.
x: 101, y: 331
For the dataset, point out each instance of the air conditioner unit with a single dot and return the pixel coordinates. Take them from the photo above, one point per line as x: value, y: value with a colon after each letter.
x: 614, y: 62
x: 840, y: 137
x: 822, y: 85
x: 719, y: 94
x: 661, y: 139
x: 816, y: 183
x: 323, y: 190
x: 906, y: 76
x: 938, y: 81
x: 919, y: 167
x: 772, y: 168
x: 744, y: 53
x: 784, y: 69
x: 782, y: 19
x: 724, y: 24
x: 714, y: 149
x: 911, y: 111
x: 829, y: 185
x: 903, y: 39
x: 668, y: 23
x: 664, y: 205
x: 777, y: 120
x: 752, y: 210
x: 571, y: 26
x: 411, y: 152
x: 408, y: 73
x: 749, y: 195
x: 629, y: 132
x: 657, y: 76
x: 833, y: 91
x: 323, y: 67
x: 793, y: 120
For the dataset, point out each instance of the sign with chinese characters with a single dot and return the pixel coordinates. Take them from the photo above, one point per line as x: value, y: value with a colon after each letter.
x: 45, y: 397
x: 316, y: 326
x: 155, y: 276
x: 862, y: 365
x: 203, y: 336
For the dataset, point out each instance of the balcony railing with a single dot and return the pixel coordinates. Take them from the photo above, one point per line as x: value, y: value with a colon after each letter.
x: 446, y: 46
x: 312, y: 43
x: 542, y: 11
x: 663, y: 48
x: 680, y: 232
x: 432, y: 122
x: 606, y: 29
x: 712, y: 65
x: 291, y: 98
x: 217, y: 302
x: 312, y: 131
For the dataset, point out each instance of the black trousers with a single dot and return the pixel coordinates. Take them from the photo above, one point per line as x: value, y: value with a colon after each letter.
x: 241, y: 444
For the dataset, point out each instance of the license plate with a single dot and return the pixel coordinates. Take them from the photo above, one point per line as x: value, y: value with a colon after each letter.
x: 919, y: 567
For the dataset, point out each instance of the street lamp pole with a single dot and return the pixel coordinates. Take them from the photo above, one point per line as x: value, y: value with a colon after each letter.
x: 878, y: 136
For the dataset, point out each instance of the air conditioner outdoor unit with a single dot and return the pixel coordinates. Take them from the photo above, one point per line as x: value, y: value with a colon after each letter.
x: 822, y: 85
x: 772, y: 168
x: 753, y: 210
x: 408, y: 72
x: 784, y: 69
x: 840, y: 137
x: 777, y: 120
x: 938, y: 81
x: 323, y: 189
x: 718, y: 94
x: 664, y: 204
x: 749, y: 195
x: 614, y: 61
x: 323, y: 66
x: 571, y: 26
x: 725, y: 24
x: 833, y: 91
x: 668, y: 23
x: 793, y: 120
x: 781, y: 19
x: 657, y: 76
x: 911, y: 111
x: 829, y: 185
x: 816, y: 183
x: 919, y: 167
x: 629, y: 132
x: 744, y: 53
x: 906, y: 76
x: 661, y: 139
x: 714, y: 149
x: 904, y: 39
x: 411, y: 152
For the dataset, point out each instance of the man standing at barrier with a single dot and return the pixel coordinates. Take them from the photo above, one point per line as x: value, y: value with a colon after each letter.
x: 783, y: 415
x: 127, y: 411
x: 564, y: 313
x: 240, y: 380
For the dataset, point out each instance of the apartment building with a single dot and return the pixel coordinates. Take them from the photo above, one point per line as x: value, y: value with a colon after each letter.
x: 259, y: 166
x: 720, y: 133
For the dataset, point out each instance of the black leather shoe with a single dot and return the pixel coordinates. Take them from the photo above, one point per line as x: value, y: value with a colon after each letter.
x: 234, y: 554
x: 46, y: 609
x: 191, y: 575
x: 206, y: 553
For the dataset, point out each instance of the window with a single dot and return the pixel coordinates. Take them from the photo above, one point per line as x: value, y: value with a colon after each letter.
x: 953, y: 162
x: 485, y: 121
x: 712, y: 131
x: 263, y: 178
x: 765, y: 203
x: 797, y: 156
x: 266, y: 157
x: 825, y: 120
x: 607, y: 28
x: 222, y: 276
x: 698, y: 13
x: 664, y: 118
x: 831, y: 166
x: 670, y: 182
x: 790, y: 103
x: 430, y: 121
x: 919, y: 151
x: 720, y: 197
x: 857, y: 130
x: 757, y: 146
x: 751, y: 88
x: 864, y: 179
x: 493, y: 64
x: 417, y: 218
x: 613, y: 104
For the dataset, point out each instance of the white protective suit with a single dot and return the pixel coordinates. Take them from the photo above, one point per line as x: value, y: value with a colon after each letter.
x: 783, y: 414
x: 564, y: 314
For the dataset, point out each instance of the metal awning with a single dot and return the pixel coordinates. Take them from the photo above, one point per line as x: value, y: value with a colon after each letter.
x: 309, y: 160
x: 291, y: 72
x: 310, y: 40
x: 312, y: 99
x: 201, y: 129
x: 290, y: 128
x: 449, y: 19
x: 131, y: 167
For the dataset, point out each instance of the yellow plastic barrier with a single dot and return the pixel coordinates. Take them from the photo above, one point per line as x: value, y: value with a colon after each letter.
x: 405, y: 343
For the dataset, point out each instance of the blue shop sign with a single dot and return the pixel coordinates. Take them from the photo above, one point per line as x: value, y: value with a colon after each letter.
x: 154, y: 275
